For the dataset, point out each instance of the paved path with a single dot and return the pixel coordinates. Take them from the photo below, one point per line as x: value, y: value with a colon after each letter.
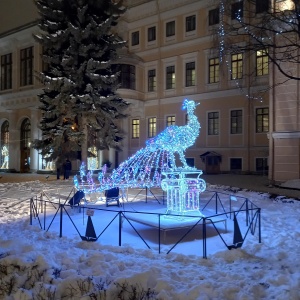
x: 250, y: 182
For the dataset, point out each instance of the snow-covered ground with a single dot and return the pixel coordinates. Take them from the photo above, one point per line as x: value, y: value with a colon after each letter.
x: 35, y: 264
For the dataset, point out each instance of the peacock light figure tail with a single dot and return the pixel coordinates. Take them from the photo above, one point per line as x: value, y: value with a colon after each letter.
x: 144, y: 168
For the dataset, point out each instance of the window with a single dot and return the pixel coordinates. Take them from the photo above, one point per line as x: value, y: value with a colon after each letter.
x: 4, y: 145
x: 213, y: 123
x: 135, y: 38
x: 236, y: 121
x: 283, y: 5
x: 170, y: 77
x: 262, y: 63
x: 262, y: 120
x: 151, y: 34
x: 135, y: 125
x: 237, y: 10
x: 25, y: 134
x: 190, y: 161
x: 190, y: 74
x: 26, y: 66
x: 214, y: 16
x: 214, y: 70
x: 127, y: 77
x: 151, y: 80
x: 6, y: 71
x: 170, y: 28
x: 237, y: 66
x: 170, y: 120
x: 152, y: 127
x: 235, y: 164
x: 261, y: 6
x: 190, y: 23
x: 261, y: 164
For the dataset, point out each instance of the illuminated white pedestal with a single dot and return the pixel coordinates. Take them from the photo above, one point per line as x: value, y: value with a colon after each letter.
x: 183, y: 189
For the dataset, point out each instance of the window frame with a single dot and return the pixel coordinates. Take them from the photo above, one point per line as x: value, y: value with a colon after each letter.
x: 213, y: 70
x: 152, y: 83
x: 127, y: 77
x: 262, y: 117
x: 170, y: 28
x: 151, y: 37
x: 152, y: 127
x: 26, y: 66
x: 214, y: 16
x: 213, y: 123
x: 236, y: 161
x: 262, y: 62
x: 170, y: 77
x: 236, y: 121
x: 190, y: 74
x: 135, y: 128
x: 261, y: 164
x: 236, y: 66
x: 6, y: 72
x: 135, y: 38
x: 170, y: 120
x: 190, y: 23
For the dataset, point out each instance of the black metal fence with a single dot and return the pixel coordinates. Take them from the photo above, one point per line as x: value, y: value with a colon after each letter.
x: 239, y: 210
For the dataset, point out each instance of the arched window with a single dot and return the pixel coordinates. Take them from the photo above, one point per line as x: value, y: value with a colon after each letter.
x: 4, y: 145
x: 25, y: 134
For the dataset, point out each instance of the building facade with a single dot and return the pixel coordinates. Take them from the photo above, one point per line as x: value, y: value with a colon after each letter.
x: 171, y: 54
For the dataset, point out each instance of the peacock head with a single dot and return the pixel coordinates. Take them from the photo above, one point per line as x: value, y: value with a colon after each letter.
x: 189, y: 105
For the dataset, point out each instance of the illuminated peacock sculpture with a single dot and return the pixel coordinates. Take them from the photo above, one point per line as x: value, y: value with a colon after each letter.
x: 145, y: 167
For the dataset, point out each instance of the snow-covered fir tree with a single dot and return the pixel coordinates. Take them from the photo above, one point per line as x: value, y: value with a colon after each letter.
x: 79, y: 102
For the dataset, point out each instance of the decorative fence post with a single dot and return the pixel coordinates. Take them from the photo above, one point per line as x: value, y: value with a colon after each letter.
x: 61, y: 219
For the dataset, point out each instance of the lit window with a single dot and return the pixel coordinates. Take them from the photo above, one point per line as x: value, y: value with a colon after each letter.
x: 26, y: 66
x: 190, y: 74
x: 214, y: 16
x: 151, y: 127
x: 262, y: 62
x: 170, y: 28
x: 282, y: 5
x: 190, y: 23
x: 135, y: 128
x: 262, y: 120
x: 214, y: 70
x: 151, y: 80
x: 6, y: 71
x: 170, y: 120
x: 236, y: 121
x: 237, y: 66
x: 170, y: 77
x: 213, y: 123
x: 135, y: 38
